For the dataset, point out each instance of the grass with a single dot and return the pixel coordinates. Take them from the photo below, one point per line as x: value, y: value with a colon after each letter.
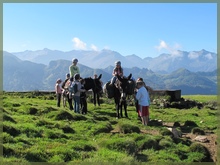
x: 35, y: 130
x: 201, y: 98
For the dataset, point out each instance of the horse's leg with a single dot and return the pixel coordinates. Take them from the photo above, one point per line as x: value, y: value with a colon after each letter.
x: 117, y: 108
x: 125, y: 108
x: 121, y: 104
x: 98, y: 100
x: 94, y: 98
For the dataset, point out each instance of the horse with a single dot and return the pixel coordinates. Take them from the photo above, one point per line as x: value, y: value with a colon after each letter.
x: 96, y: 86
x: 120, y: 93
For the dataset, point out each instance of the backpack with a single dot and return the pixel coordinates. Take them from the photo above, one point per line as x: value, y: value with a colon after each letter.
x: 73, y: 88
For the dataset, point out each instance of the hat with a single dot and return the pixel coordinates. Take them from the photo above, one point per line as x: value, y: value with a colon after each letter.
x: 67, y: 75
x: 75, y: 60
x: 118, y: 63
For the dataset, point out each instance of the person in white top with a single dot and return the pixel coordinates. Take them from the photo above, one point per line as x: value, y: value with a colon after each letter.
x: 143, y: 99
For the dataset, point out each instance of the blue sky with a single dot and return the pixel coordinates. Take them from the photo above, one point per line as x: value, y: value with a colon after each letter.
x: 143, y: 29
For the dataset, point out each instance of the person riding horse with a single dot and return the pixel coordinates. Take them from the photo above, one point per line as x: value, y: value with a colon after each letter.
x: 117, y: 71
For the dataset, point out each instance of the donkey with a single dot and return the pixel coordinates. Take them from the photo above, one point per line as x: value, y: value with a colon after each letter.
x: 120, y: 94
x: 96, y: 86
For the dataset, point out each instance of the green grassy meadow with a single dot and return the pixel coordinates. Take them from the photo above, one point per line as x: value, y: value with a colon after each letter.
x: 35, y: 130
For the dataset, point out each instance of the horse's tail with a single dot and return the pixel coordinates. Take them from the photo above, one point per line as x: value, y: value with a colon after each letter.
x: 108, y: 89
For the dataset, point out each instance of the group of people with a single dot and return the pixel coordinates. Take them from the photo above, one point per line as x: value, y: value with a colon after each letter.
x: 141, y: 94
x: 79, y: 98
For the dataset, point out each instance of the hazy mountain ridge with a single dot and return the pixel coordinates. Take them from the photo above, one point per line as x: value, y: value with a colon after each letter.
x: 194, y: 61
x: 19, y: 75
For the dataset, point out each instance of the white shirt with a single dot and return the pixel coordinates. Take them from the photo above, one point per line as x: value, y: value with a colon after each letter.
x: 143, y: 97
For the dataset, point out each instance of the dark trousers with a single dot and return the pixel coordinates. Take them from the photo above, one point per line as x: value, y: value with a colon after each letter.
x: 69, y: 102
x: 58, y: 99
x: 83, y: 104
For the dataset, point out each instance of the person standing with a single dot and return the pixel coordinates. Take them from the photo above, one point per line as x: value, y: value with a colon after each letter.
x: 58, y: 91
x: 65, y: 86
x: 76, y: 95
x: 73, y: 69
x: 143, y: 99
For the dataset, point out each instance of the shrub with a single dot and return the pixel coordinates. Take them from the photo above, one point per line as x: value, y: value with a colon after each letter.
x: 7, y: 138
x: 33, y: 111
x: 8, y: 118
x: 176, y: 124
x: 36, y: 156
x: 7, y: 151
x: 164, y: 143
x: 100, y: 118
x: 79, y: 117
x: 198, y: 131
x: 11, y: 130
x: 83, y: 146
x: 55, y: 135
x: 67, y: 129
x: 190, y: 124
x: 64, y: 115
x: 147, y: 143
x: 197, y: 147
x: 102, y: 128
x: 122, y: 144
x: 16, y: 105
x: 128, y: 128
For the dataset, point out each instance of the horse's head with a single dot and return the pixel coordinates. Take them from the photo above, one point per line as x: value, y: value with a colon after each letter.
x: 122, y: 84
x: 94, y: 84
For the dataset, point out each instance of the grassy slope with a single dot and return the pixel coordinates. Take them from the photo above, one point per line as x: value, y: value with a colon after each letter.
x: 35, y: 130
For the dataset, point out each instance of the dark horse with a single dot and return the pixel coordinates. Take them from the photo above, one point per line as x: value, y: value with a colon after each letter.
x: 96, y: 86
x: 121, y: 90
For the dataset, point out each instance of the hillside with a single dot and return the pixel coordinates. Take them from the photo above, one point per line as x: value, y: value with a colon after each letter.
x: 35, y: 130
x: 19, y: 75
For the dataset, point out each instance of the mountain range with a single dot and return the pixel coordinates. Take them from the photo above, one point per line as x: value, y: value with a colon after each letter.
x: 24, y: 71
x: 165, y: 63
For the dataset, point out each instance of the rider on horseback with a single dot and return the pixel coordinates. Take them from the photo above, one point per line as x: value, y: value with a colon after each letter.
x: 117, y: 71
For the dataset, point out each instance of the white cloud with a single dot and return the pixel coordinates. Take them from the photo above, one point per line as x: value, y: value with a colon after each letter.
x: 193, y: 55
x: 93, y: 47
x: 78, y: 44
x: 209, y: 56
x: 173, y: 50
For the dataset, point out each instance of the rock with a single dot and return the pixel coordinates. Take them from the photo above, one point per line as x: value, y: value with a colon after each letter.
x: 176, y: 133
x: 202, y: 139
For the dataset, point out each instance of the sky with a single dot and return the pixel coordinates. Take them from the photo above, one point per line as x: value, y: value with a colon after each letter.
x: 142, y: 29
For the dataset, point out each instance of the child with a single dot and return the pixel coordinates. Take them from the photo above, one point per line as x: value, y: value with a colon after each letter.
x: 76, y: 96
x: 73, y: 69
x: 83, y: 101
x: 58, y: 91
x: 143, y: 99
x: 117, y: 71
x: 65, y: 86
